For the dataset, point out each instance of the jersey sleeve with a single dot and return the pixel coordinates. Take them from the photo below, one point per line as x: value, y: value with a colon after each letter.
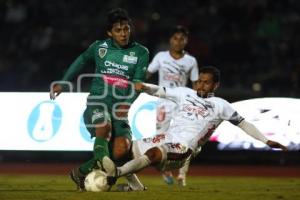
x: 174, y: 93
x: 154, y: 65
x: 140, y: 72
x: 229, y: 114
x: 84, y: 59
x: 194, y: 73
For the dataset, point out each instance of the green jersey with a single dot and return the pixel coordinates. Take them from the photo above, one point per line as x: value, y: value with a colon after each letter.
x: 116, y: 68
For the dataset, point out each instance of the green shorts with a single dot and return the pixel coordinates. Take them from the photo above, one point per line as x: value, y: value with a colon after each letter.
x: 96, y: 113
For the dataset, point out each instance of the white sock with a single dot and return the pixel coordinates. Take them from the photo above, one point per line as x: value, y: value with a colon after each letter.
x: 134, y: 165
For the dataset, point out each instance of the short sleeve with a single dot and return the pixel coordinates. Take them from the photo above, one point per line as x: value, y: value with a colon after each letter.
x: 175, y: 93
x: 227, y: 112
x: 140, y: 72
x: 154, y: 65
x: 194, y: 74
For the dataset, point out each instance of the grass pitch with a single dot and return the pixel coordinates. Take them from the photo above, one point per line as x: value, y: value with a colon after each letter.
x: 44, y: 187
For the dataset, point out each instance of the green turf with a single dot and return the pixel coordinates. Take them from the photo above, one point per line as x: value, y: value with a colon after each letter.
x: 202, y: 188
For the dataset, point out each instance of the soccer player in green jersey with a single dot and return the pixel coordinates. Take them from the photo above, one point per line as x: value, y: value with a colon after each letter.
x: 120, y: 64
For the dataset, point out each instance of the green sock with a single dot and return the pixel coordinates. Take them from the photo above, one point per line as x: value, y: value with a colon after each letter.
x: 87, y: 167
x: 100, y: 148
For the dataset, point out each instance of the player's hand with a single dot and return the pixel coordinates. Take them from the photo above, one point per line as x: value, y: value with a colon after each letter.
x: 55, y: 90
x: 139, y: 86
x: 277, y: 145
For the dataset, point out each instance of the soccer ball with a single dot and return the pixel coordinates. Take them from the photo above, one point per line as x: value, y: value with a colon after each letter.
x: 96, y: 181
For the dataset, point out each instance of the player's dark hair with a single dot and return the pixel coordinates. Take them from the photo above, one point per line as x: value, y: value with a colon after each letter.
x: 211, y: 70
x: 179, y: 29
x: 116, y: 15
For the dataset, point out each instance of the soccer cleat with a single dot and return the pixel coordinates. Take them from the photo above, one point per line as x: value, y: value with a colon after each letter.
x: 78, y: 179
x: 111, y: 170
x: 109, y: 166
x: 134, y: 183
x: 168, y: 178
x: 111, y: 180
x: 181, y: 180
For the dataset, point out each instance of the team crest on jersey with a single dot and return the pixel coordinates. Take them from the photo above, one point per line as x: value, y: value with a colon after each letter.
x: 102, y: 52
x: 130, y: 59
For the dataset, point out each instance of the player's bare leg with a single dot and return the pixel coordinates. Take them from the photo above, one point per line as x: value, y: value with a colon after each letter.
x: 121, y: 148
x: 181, y: 178
x: 102, y: 132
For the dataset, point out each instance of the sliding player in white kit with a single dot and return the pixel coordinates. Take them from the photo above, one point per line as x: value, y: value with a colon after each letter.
x: 175, y: 68
x: 195, y: 120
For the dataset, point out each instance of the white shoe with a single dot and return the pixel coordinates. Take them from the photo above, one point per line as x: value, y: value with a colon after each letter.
x: 111, y: 170
x: 109, y: 166
x: 134, y: 183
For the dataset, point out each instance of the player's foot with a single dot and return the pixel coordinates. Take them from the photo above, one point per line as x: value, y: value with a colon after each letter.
x: 181, y: 180
x: 110, y: 168
x: 134, y: 183
x: 168, y: 178
x: 78, y: 178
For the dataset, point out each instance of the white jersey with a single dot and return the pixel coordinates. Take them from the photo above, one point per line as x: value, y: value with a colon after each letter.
x: 165, y: 111
x: 196, y: 118
x: 174, y: 72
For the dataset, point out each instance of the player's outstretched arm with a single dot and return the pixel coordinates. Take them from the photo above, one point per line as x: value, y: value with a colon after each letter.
x: 251, y: 130
x: 55, y: 91
x: 151, y: 89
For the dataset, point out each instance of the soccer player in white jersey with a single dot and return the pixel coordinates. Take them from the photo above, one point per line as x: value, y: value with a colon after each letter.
x: 175, y: 68
x: 198, y: 115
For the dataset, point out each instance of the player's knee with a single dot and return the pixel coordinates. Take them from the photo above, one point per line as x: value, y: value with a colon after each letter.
x: 154, y: 155
x: 122, y: 111
x: 121, y: 148
x: 120, y: 153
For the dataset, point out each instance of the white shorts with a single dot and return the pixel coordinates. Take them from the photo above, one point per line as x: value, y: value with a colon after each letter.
x: 173, y: 155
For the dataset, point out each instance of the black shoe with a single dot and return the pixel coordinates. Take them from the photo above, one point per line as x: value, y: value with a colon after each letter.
x: 111, y: 180
x: 78, y: 179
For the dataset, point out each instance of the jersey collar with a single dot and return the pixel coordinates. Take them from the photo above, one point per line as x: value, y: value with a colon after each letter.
x: 113, y: 44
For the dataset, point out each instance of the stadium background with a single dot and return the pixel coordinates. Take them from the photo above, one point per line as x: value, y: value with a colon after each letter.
x: 254, y: 43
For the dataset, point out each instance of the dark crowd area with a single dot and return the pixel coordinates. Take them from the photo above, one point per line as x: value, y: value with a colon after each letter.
x: 255, y: 43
